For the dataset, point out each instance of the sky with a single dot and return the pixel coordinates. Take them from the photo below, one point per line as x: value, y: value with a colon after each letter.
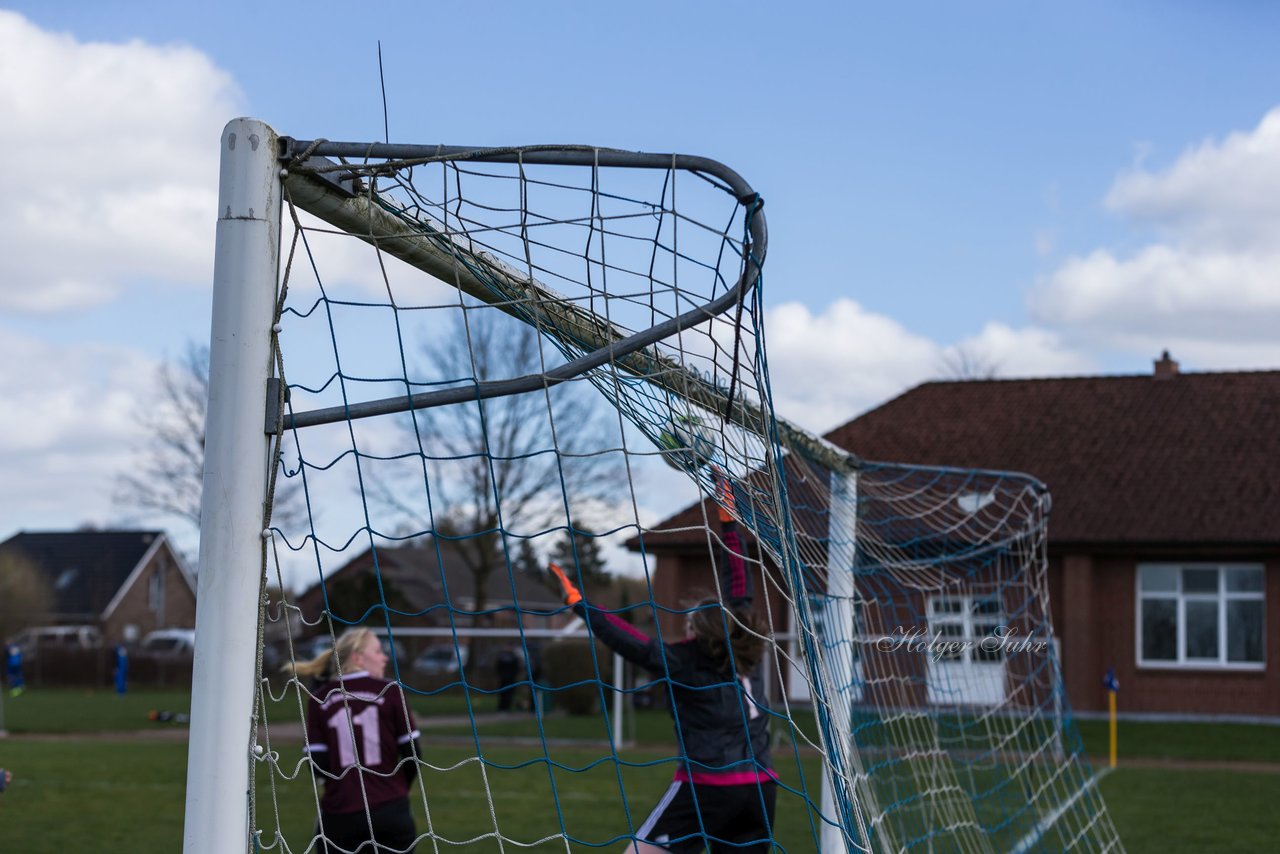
x: 1053, y: 189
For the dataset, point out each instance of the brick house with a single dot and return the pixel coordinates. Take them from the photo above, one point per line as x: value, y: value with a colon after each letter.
x: 1164, y: 539
x: 426, y: 582
x: 124, y: 583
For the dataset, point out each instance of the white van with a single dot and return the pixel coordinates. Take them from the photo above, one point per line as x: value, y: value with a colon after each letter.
x: 169, y: 642
x: 32, y: 640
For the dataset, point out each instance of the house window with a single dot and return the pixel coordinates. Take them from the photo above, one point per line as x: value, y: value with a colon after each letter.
x: 968, y: 626
x: 1201, y: 615
x: 155, y: 590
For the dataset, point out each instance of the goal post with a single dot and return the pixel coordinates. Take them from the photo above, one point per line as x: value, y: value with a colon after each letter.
x: 839, y: 795
x: 442, y: 448
x: 236, y: 473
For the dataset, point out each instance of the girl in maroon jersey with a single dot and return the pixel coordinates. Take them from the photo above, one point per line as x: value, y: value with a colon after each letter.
x: 362, y: 740
x: 725, y: 789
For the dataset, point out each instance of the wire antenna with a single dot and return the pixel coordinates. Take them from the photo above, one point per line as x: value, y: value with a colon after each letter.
x: 382, y: 81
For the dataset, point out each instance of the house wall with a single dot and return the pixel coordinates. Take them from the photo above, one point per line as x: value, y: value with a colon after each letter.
x: 178, y: 606
x: 1055, y: 592
x: 670, y: 576
x: 1074, y: 611
x: 680, y: 581
x: 1093, y: 605
x: 1098, y: 629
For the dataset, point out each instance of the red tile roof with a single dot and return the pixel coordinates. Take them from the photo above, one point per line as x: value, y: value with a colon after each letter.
x: 1191, y: 458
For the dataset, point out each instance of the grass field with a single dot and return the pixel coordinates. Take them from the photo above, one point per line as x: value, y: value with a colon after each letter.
x: 109, y: 796
x: 81, y: 792
x: 1194, y: 741
x: 65, y: 710
x: 71, y: 710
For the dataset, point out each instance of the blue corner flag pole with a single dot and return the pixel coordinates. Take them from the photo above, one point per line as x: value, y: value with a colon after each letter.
x: 13, y: 666
x: 122, y: 669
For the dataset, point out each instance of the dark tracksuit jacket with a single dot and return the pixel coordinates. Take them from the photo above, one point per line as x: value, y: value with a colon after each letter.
x: 721, y: 717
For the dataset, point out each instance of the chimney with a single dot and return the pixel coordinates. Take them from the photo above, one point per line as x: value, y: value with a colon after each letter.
x: 1166, y: 368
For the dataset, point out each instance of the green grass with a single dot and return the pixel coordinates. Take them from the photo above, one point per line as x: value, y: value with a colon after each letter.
x: 647, y: 727
x: 68, y: 710
x: 1176, y: 811
x: 127, y: 795
x: 1207, y: 741
x: 117, y: 796
x: 80, y: 795
x: 526, y: 788
x: 100, y: 795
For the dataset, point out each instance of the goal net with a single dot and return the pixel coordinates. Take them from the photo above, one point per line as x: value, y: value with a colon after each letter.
x: 471, y: 362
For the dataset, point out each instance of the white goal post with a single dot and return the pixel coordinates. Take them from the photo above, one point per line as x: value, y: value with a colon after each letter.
x: 657, y: 311
x: 237, y: 467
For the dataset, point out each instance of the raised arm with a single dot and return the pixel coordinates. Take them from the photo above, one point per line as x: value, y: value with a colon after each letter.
x: 735, y: 578
x: 617, y: 634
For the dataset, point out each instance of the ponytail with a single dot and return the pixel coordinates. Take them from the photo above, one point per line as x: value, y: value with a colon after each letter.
x: 732, y: 636
x: 348, y: 642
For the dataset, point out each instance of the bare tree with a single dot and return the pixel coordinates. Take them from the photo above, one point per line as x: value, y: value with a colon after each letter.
x: 967, y: 362
x: 509, y: 463
x: 578, y: 550
x: 25, y: 596
x: 167, y: 473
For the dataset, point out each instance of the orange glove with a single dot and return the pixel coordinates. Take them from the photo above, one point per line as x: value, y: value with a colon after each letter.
x: 727, y: 500
x: 572, y: 595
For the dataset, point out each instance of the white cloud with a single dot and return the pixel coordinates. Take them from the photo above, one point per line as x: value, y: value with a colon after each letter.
x: 118, y: 147
x: 67, y: 427
x: 1219, y: 194
x: 828, y: 367
x: 1209, y: 284
x: 1166, y: 288
x: 1026, y: 352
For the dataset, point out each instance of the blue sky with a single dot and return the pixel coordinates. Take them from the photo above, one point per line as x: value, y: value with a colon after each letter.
x: 1058, y: 188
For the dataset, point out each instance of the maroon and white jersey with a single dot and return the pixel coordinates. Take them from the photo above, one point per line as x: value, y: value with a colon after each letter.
x: 366, y: 721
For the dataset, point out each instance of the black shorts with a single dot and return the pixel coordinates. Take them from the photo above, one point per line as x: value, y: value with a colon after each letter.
x: 725, y: 819
x: 393, y: 830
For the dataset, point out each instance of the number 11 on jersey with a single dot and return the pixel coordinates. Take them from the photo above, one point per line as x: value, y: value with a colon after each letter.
x: 366, y: 721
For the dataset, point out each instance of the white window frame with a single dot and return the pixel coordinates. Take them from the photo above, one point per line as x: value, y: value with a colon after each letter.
x: 984, y: 683
x: 156, y: 591
x: 797, y: 688
x: 1222, y: 597
x: 967, y: 620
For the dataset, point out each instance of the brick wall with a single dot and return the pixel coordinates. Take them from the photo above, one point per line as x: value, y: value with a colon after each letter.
x: 1093, y: 603
x: 178, y: 609
x: 1098, y: 628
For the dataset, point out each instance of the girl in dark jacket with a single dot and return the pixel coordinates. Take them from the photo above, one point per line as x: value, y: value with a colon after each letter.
x: 724, y: 789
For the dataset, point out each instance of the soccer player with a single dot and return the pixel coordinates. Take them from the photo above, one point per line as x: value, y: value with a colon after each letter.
x: 362, y: 738
x: 724, y: 790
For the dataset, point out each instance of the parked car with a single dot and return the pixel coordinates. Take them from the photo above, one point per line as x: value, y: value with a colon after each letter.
x: 176, y: 643
x: 313, y: 647
x: 401, y: 654
x: 440, y: 658
x: 32, y: 640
